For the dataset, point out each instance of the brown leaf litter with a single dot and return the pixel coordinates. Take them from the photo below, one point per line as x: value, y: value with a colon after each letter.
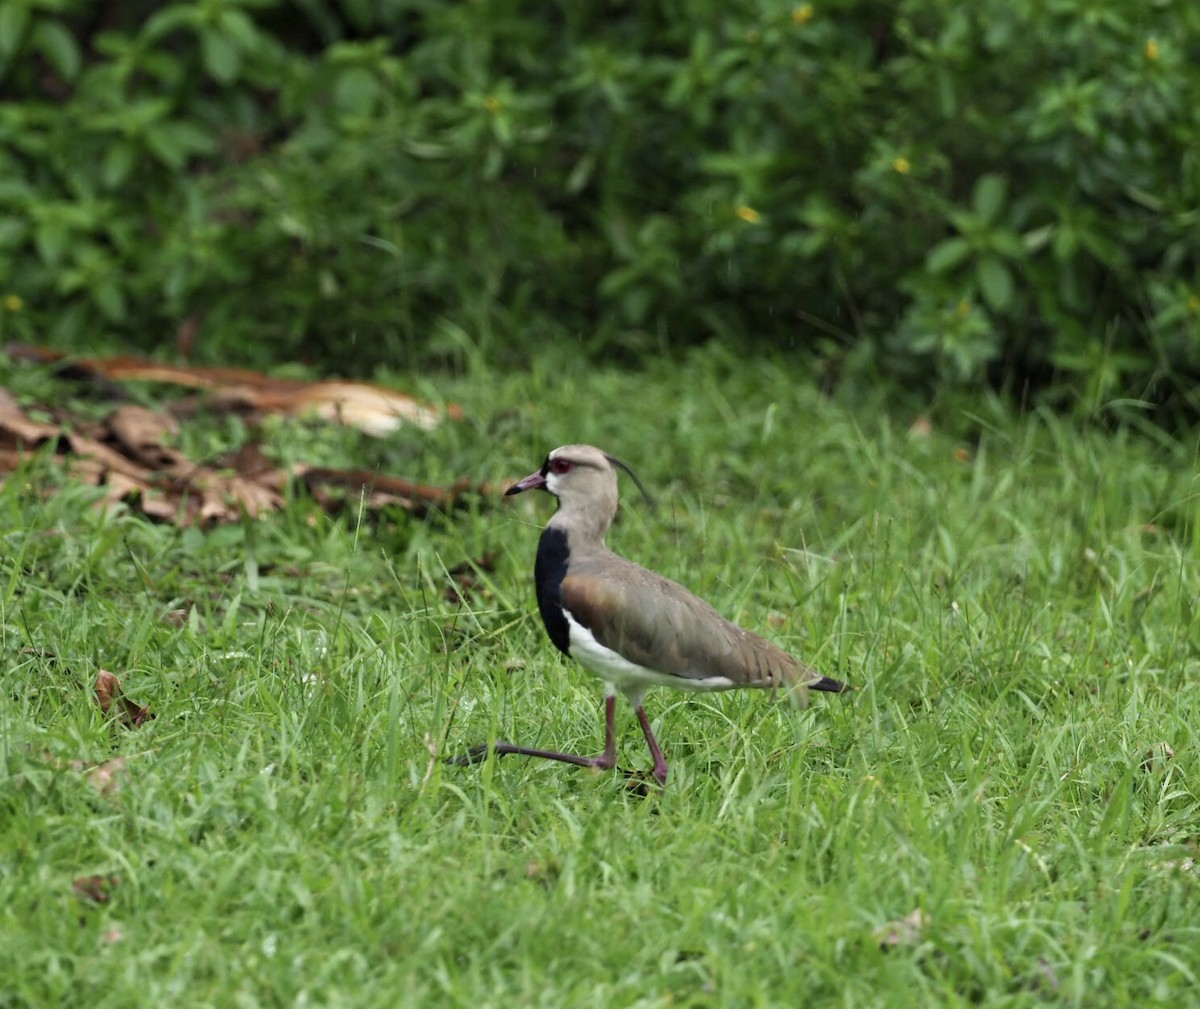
x: 375, y: 409
x: 131, y: 455
x: 112, y: 700
x: 906, y: 931
x: 95, y: 889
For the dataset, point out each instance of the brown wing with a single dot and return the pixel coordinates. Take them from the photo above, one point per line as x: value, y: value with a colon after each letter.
x: 659, y: 624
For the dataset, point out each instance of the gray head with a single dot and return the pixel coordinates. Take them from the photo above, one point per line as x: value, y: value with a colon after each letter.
x: 584, y: 480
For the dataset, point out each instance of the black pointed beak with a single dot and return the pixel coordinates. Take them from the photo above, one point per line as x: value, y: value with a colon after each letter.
x: 534, y: 481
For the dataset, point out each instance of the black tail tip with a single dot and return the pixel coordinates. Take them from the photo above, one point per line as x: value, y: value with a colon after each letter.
x: 830, y: 684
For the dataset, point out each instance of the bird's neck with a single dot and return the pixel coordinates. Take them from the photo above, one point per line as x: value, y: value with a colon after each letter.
x: 584, y: 532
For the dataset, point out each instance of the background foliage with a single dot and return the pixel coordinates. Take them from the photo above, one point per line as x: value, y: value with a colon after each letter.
x: 1003, y: 189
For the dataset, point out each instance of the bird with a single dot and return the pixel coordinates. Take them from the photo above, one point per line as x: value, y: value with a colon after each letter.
x: 633, y: 628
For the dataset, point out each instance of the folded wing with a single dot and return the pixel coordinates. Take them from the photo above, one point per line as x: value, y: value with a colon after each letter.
x: 657, y: 623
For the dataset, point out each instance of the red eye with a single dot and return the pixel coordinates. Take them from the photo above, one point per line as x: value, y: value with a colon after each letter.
x: 560, y: 466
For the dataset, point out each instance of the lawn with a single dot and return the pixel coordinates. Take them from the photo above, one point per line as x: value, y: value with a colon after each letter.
x: 1005, y: 811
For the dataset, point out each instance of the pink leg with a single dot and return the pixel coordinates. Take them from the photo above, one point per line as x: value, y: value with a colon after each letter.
x: 660, y: 762
x: 604, y: 761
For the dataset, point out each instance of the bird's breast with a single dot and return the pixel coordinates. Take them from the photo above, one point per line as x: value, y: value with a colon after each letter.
x: 549, y: 570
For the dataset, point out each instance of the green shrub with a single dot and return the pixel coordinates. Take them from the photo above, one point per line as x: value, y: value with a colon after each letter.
x: 1004, y: 189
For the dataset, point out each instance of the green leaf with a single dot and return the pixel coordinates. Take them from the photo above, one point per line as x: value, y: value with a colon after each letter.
x: 59, y: 48
x: 14, y: 190
x: 110, y: 299
x: 14, y: 19
x: 50, y: 240
x: 988, y: 197
x: 189, y: 137
x: 175, y: 142
x: 13, y: 232
x: 117, y: 164
x: 945, y: 256
x: 805, y: 244
x: 1151, y: 201
x: 160, y: 141
x: 1038, y: 238
x: 1065, y: 243
x: 240, y: 29
x: 581, y: 174
x: 1006, y: 243
x: 222, y: 58
x: 355, y: 91
x: 995, y: 282
x: 169, y: 20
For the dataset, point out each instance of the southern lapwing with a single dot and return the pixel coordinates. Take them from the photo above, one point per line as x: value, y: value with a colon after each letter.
x: 631, y: 627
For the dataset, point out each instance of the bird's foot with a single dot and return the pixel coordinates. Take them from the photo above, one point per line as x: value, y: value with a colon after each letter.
x: 478, y: 754
x: 642, y: 783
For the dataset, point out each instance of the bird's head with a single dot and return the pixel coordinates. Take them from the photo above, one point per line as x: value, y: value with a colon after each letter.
x: 584, y: 480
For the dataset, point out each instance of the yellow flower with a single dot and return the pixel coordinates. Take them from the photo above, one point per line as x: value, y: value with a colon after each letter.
x: 964, y: 308
x: 14, y: 302
x: 749, y: 214
x: 1152, y: 49
x: 492, y: 104
x: 803, y: 14
x: 1193, y: 304
x: 901, y: 166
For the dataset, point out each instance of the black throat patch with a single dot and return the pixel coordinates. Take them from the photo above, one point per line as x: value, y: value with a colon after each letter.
x: 549, y: 570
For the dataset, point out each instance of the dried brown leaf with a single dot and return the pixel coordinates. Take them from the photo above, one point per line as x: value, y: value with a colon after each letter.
x: 250, y: 462
x: 17, y: 430
x: 1045, y: 977
x: 906, y: 931
x: 129, y: 458
x: 104, y: 460
x: 112, y: 700
x: 370, y: 408
x: 143, y: 433
x: 185, y: 335
x: 375, y: 409
x: 108, y: 689
x: 921, y: 427
x: 108, y: 777
x: 385, y: 490
x: 1157, y: 756
x: 95, y: 889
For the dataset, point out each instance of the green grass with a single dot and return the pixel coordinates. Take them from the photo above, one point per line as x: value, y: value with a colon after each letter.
x: 1013, y: 599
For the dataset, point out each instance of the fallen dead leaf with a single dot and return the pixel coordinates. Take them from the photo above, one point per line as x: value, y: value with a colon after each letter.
x: 185, y: 335
x: 921, y: 427
x: 382, y: 490
x: 95, y: 889
x: 374, y: 409
x: 17, y: 431
x: 1044, y: 977
x: 1157, y: 756
x: 906, y: 931
x: 107, y: 778
x: 111, y: 697
x: 251, y: 462
x: 143, y: 433
x: 128, y: 456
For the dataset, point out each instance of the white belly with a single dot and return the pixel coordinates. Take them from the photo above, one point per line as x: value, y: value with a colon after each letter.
x: 628, y: 677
